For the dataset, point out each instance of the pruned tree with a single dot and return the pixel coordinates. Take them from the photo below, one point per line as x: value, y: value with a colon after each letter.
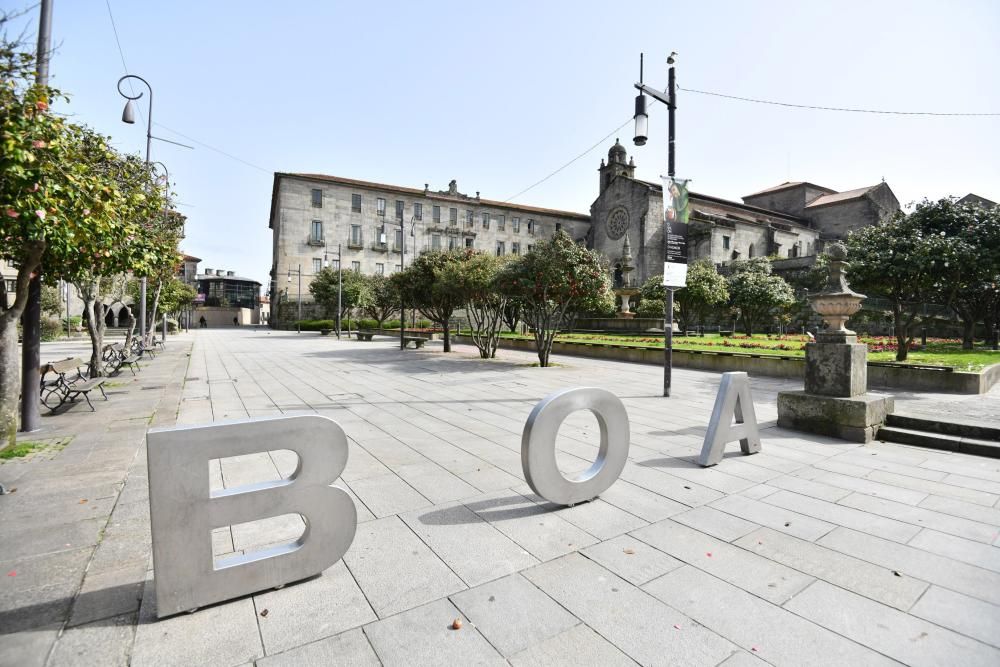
x: 384, y: 298
x: 555, y: 281
x: 423, y: 285
x: 756, y: 292
x: 907, y: 261
x: 354, y: 294
x: 483, y: 295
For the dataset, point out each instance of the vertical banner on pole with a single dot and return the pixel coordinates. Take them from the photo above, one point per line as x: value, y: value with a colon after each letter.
x: 675, y: 228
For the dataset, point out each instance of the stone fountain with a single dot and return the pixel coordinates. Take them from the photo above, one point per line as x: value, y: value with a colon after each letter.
x: 836, y: 399
x: 625, y: 289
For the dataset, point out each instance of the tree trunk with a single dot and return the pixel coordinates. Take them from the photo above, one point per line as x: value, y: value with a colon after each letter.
x: 95, y: 327
x: 902, y: 346
x: 129, y: 327
x: 10, y: 384
x: 151, y: 326
x: 447, y: 334
x: 968, y: 332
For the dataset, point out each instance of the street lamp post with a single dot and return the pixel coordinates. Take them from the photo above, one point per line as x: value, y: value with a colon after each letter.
x: 298, y: 323
x: 128, y: 116
x: 340, y: 282
x: 641, y: 124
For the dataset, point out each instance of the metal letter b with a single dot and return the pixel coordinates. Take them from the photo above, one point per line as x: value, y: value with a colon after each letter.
x: 183, y: 511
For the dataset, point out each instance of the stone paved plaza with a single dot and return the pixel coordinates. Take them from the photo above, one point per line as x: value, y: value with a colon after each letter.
x: 814, y: 551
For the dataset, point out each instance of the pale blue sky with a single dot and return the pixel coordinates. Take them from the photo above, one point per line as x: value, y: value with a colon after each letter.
x: 499, y: 95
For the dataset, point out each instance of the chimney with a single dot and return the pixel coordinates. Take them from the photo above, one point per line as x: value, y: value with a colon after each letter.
x: 208, y: 272
x: 230, y: 273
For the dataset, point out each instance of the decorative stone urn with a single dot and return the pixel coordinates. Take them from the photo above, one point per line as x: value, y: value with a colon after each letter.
x: 837, y: 302
x: 836, y: 399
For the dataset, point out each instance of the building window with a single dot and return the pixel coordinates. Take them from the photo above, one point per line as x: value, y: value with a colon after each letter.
x: 531, y: 226
x: 468, y: 219
x: 356, y: 266
x: 725, y: 243
x: 530, y: 247
x: 501, y: 222
x: 380, y: 230
x: 516, y: 224
x: 380, y: 269
x: 515, y: 248
x: 435, y: 241
x: 436, y: 214
x: 335, y: 264
x: 399, y: 239
x: 380, y: 207
x: 12, y: 285
x: 356, y: 235
x: 399, y: 267
x: 317, y: 230
x: 453, y: 216
x: 399, y: 209
x: 750, y: 251
x: 470, y: 242
x: 500, y: 249
x: 452, y: 243
x: 317, y: 265
x: 486, y: 220
x: 418, y: 211
x: 317, y: 198
x: 558, y: 226
x: 356, y: 203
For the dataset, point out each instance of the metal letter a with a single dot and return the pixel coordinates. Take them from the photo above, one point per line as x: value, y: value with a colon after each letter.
x: 183, y: 511
x: 733, y: 400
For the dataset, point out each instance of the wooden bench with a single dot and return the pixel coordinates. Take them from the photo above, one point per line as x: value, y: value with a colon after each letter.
x: 64, y: 380
x: 417, y: 341
x: 115, y: 356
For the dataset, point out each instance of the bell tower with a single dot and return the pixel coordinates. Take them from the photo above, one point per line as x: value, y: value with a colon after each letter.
x: 617, y: 165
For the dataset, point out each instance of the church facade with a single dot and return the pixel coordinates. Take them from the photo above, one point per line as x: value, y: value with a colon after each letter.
x: 789, y: 221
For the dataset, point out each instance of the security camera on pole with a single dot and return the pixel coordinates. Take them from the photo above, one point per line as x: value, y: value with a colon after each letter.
x: 675, y: 209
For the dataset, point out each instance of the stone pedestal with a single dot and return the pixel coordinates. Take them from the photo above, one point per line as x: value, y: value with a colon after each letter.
x: 835, y: 401
x: 836, y: 369
x: 854, y: 418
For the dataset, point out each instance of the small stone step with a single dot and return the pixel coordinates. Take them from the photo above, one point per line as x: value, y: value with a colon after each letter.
x: 951, y: 443
x: 959, y: 429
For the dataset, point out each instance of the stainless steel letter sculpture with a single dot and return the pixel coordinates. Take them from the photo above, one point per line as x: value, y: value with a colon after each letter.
x: 183, y: 511
x: 732, y: 400
x: 538, y: 445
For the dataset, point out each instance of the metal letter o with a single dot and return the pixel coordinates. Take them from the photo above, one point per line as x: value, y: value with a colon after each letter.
x: 538, y: 445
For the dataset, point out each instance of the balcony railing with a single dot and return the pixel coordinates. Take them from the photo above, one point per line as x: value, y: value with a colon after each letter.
x: 317, y: 241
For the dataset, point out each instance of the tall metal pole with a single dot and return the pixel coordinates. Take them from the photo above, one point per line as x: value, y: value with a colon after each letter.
x: 668, y: 306
x: 31, y: 319
x: 340, y: 286
x: 299, y: 295
x: 67, y: 310
x: 402, y: 303
x: 149, y: 142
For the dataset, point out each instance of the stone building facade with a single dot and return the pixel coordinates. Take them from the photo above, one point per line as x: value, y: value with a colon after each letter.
x: 311, y: 214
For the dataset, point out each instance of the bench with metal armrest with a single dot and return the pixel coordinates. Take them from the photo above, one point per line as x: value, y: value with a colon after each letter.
x: 66, y: 380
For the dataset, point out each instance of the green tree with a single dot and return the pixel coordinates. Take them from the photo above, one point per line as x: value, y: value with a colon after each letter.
x: 484, y: 299
x: 555, y: 281
x: 66, y: 204
x: 756, y: 292
x: 705, y: 289
x: 354, y: 294
x: 384, y: 298
x: 424, y: 285
x: 907, y: 261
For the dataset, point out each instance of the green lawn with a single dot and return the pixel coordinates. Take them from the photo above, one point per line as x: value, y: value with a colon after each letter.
x: 938, y: 352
